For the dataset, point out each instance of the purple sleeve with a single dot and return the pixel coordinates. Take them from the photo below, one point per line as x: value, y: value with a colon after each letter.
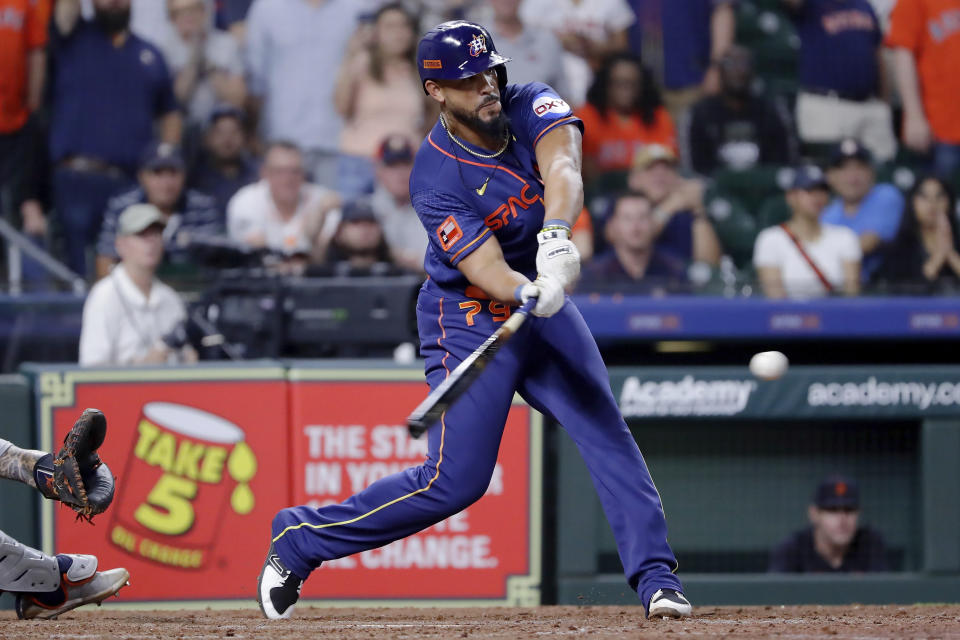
x: 455, y: 230
x: 539, y: 109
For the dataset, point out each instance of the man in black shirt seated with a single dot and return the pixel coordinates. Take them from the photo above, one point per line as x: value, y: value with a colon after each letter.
x: 834, y: 543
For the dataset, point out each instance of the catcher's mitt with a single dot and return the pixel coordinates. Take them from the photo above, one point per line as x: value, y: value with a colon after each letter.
x: 76, y: 476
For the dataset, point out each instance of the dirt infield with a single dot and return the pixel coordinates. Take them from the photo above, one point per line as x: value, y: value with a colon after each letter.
x: 791, y: 623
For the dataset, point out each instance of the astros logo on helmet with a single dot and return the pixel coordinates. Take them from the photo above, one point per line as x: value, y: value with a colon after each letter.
x: 478, y: 45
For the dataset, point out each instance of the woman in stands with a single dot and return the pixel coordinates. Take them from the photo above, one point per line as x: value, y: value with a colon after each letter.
x: 623, y: 112
x: 378, y: 92
x: 925, y: 256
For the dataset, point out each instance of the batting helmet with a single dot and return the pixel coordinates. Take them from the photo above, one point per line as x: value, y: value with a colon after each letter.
x: 458, y: 49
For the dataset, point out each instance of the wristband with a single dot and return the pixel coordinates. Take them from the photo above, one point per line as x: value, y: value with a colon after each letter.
x: 517, y: 292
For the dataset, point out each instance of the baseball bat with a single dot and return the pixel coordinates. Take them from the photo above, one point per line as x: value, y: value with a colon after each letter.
x: 441, y: 398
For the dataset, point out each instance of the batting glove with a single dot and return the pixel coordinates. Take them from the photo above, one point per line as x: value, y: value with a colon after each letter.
x: 557, y: 255
x: 548, y: 292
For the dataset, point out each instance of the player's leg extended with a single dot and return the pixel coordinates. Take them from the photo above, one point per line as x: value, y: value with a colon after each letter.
x: 462, y: 452
x: 568, y: 379
x: 46, y: 586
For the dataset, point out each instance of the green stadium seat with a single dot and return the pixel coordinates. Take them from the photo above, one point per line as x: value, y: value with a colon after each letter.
x: 735, y: 227
x: 773, y: 212
x: 750, y: 187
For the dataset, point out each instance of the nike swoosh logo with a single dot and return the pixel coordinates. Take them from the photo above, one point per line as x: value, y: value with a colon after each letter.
x: 482, y: 189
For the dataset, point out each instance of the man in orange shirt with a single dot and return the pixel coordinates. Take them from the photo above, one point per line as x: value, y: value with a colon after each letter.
x: 23, y: 41
x: 925, y: 35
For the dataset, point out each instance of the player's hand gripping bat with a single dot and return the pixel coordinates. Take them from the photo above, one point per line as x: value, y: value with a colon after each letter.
x: 441, y: 398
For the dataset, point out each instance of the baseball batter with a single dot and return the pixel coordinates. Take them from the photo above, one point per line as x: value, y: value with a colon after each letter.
x: 46, y: 586
x: 497, y: 186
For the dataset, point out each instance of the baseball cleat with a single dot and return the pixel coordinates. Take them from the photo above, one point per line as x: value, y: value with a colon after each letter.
x: 78, y: 586
x: 669, y: 603
x: 278, y: 589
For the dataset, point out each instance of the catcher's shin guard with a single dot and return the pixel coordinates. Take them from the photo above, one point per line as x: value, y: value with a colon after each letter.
x: 23, y: 568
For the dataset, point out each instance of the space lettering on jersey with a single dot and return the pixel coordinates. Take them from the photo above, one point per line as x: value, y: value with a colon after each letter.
x: 449, y: 232
x: 507, y: 211
x: 550, y: 104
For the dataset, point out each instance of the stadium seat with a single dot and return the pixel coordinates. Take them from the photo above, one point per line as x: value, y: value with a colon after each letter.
x: 735, y: 227
x: 750, y: 187
x: 773, y: 212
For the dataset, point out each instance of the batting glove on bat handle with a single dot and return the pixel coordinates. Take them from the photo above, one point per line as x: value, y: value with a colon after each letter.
x: 549, y: 294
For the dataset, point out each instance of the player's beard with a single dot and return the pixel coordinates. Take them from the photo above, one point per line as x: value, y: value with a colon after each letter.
x: 495, y: 129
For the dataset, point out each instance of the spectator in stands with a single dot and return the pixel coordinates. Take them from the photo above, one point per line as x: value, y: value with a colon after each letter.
x: 293, y: 49
x: 804, y: 258
x: 378, y: 92
x: 150, y: 20
x: 130, y: 317
x: 835, y: 542
x: 738, y: 129
x: 231, y: 16
x: 872, y: 210
x: 680, y: 221
x: 926, y: 38
x: 634, y: 258
x: 588, y: 31
x: 390, y: 202
x: 841, y: 73
x: 283, y: 213
x: 109, y: 89
x: 925, y: 255
x: 189, y: 216
x: 623, y: 113
x: 536, y: 55
x: 23, y: 66
x: 205, y: 62
x: 682, y: 42
x: 358, y: 247
x: 224, y: 165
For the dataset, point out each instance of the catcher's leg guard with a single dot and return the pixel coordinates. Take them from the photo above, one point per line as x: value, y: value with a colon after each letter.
x: 23, y: 568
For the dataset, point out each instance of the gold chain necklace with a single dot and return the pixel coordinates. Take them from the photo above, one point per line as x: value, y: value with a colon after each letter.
x: 506, y: 143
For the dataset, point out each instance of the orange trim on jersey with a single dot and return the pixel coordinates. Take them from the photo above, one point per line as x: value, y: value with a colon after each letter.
x: 443, y: 436
x: 472, y: 242
x: 551, y: 127
x: 476, y: 164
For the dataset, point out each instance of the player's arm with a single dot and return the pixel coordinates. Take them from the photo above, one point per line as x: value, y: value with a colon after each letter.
x: 560, y: 159
x: 486, y: 268
x: 17, y: 464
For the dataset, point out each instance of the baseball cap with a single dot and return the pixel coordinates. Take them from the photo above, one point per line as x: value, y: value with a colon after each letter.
x: 848, y: 149
x: 226, y: 111
x: 395, y: 149
x: 808, y: 177
x: 138, y: 217
x: 837, y: 492
x: 359, y: 210
x: 649, y: 154
x: 161, y: 155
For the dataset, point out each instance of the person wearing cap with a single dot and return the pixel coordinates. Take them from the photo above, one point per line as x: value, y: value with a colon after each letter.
x: 224, y: 164
x: 283, y: 213
x: 834, y: 542
x: 680, y: 222
x: 391, y: 204
x: 871, y: 210
x: 206, y: 64
x: 804, y: 257
x: 634, y: 263
x: 128, y: 314
x: 841, y: 74
x: 189, y: 214
x: 358, y: 247
x: 110, y: 93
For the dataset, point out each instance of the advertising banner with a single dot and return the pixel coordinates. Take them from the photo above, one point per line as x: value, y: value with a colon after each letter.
x: 804, y: 392
x: 347, y: 434
x: 199, y: 475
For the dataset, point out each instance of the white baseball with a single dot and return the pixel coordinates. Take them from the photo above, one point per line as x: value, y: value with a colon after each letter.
x: 768, y: 365
x: 405, y: 353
